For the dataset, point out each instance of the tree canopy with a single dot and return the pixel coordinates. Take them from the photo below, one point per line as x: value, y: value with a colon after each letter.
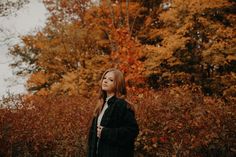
x: 155, y: 43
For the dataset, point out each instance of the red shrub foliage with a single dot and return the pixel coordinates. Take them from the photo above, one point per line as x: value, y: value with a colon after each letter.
x: 180, y: 121
x: 46, y: 126
x: 176, y: 121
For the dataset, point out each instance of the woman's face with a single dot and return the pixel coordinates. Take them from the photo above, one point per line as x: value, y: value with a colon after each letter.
x: 108, y: 82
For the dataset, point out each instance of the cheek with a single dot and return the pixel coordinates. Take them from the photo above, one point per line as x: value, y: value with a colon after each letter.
x: 112, y: 85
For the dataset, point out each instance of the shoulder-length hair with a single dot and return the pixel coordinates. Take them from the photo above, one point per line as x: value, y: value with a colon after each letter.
x: 120, y: 88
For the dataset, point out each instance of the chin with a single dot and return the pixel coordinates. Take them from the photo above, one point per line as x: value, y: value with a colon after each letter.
x: 104, y: 89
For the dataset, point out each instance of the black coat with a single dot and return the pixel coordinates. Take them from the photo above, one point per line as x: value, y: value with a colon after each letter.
x: 119, y: 132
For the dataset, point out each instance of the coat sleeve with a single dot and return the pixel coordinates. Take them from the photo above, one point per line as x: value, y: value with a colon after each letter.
x: 124, y: 135
x: 92, y: 139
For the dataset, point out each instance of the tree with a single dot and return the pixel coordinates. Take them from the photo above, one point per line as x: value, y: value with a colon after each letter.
x: 190, y: 42
x: 68, y: 10
x: 8, y: 7
x: 171, y: 42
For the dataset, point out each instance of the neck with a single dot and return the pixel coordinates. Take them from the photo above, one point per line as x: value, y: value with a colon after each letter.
x: 110, y: 94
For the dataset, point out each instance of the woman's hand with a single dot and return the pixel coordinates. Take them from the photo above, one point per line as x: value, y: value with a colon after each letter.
x: 99, y: 131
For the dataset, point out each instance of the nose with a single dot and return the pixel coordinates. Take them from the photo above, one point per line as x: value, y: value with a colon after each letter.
x: 105, y: 81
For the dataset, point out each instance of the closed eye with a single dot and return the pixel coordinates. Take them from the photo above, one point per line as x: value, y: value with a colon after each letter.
x: 109, y: 78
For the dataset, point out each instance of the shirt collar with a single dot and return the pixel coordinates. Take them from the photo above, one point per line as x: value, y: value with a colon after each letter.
x: 107, y: 98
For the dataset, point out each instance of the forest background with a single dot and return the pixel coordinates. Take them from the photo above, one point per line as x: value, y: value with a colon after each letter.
x: 179, y: 59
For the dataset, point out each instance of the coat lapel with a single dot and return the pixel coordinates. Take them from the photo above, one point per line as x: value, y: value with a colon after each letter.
x: 107, y: 115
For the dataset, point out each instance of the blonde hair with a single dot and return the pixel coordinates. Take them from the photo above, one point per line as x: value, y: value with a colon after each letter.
x: 120, y: 88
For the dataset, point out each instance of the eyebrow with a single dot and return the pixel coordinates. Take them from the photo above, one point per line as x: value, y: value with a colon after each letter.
x: 108, y: 77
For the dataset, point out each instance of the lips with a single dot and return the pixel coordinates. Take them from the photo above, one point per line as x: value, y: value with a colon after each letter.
x: 104, y: 85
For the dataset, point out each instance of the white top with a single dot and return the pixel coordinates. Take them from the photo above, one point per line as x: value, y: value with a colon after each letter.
x: 103, y: 111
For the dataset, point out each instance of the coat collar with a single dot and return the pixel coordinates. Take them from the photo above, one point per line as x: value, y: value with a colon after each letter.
x: 107, y: 115
x: 111, y: 100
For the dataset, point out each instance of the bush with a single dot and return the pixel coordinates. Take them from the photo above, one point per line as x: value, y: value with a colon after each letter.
x: 45, y: 126
x: 181, y: 121
x: 176, y: 121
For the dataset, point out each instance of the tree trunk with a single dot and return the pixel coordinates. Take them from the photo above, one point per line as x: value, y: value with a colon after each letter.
x: 112, y: 12
x: 127, y: 13
x: 121, y: 19
x: 57, y: 4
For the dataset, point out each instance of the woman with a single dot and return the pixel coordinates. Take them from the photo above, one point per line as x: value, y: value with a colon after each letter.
x: 114, y: 127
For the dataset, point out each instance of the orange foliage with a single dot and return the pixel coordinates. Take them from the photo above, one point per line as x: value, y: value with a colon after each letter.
x: 127, y: 56
x: 169, y: 42
x: 190, y: 42
x: 157, y: 45
x: 64, y: 10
